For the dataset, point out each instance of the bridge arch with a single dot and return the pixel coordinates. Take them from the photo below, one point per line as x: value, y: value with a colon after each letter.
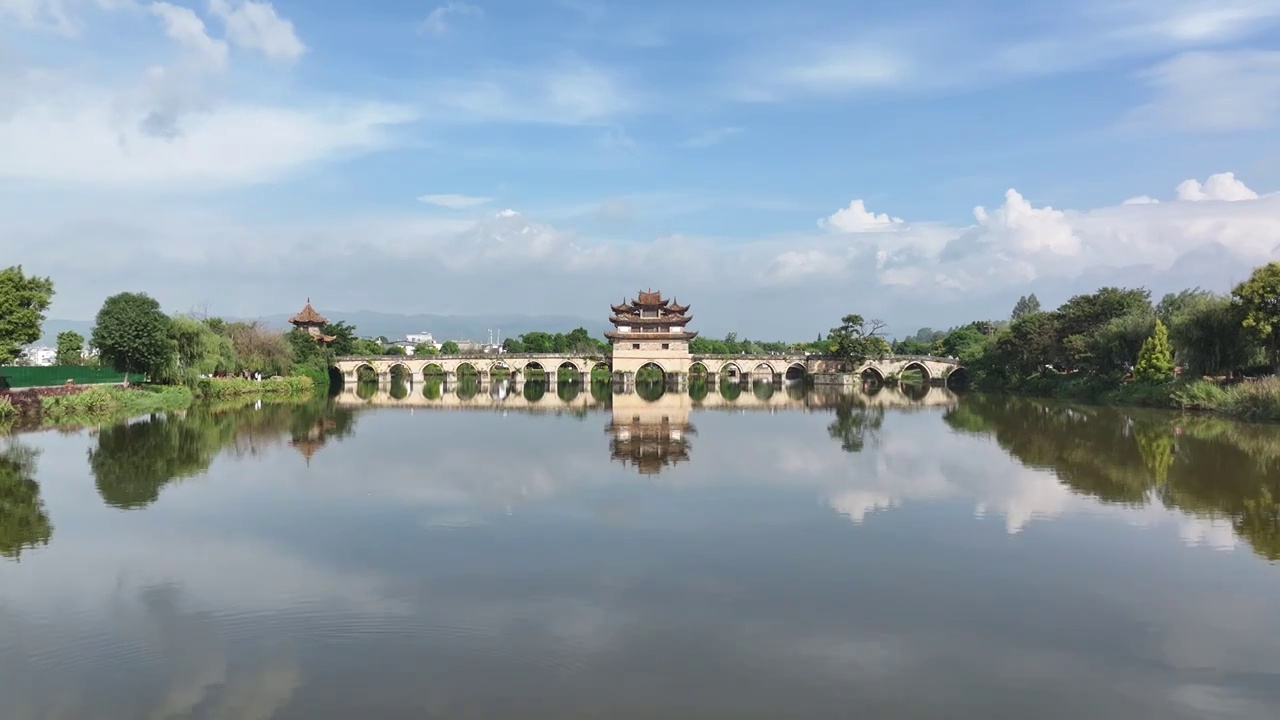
x: 500, y: 365
x: 432, y: 369
x: 570, y: 364
x: 795, y: 371
x: 698, y: 368
x: 918, y: 365
x: 872, y: 373
x: 401, y: 370
x: 756, y: 370
x: 732, y: 369
x: 471, y: 369
x: 958, y: 377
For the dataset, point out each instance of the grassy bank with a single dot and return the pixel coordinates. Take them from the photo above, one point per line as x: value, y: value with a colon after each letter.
x: 215, y: 388
x: 1252, y: 400
x: 94, y: 405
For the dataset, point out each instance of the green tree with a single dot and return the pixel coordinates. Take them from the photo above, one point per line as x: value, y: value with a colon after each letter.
x: 965, y: 343
x: 132, y: 334
x: 449, y: 348
x: 1026, y: 305
x: 1083, y: 315
x: 394, y: 350
x: 23, y: 302
x: 70, y: 348
x: 857, y: 339
x: 1259, y: 297
x: 1208, y: 336
x: 1155, y: 361
x: 538, y: 342
x: 198, y: 349
x: 344, y: 338
x: 23, y: 520
x: 1027, y: 345
x: 1117, y: 343
x: 425, y: 349
x: 258, y: 349
x: 1174, y: 304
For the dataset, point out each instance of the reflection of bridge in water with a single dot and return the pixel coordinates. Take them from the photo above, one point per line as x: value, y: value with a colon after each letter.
x: 513, y: 395
x: 648, y: 434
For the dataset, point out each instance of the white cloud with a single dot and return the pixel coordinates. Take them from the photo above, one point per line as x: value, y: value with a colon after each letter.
x: 712, y: 137
x: 438, y: 22
x: 1220, y: 91
x: 1189, y: 21
x: 187, y: 29
x: 1221, y: 186
x: 454, y: 201
x: 81, y: 136
x: 256, y: 26
x: 920, y: 274
x: 1141, y: 200
x: 857, y: 218
x: 39, y: 14
x: 63, y: 125
x: 570, y: 93
x: 833, y: 70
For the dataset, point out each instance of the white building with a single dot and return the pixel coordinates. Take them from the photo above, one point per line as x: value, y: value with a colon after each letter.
x: 421, y: 338
x: 40, y: 356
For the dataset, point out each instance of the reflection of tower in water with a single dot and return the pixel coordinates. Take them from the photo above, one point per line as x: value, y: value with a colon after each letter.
x: 650, y: 435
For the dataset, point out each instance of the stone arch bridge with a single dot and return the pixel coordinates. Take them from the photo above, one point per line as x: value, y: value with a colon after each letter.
x: 739, y: 368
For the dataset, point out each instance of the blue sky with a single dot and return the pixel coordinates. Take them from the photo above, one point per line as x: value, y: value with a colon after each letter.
x: 775, y: 164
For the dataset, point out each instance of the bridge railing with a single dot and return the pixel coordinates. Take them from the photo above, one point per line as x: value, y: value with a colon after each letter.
x: 794, y: 357
x: 470, y: 356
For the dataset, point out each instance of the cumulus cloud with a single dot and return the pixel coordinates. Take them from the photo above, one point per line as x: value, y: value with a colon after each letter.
x: 926, y: 274
x: 857, y: 218
x: 454, y: 201
x: 1222, y: 186
x: 256, y: 26
x: 438, y: 21
x: 1141, y: 200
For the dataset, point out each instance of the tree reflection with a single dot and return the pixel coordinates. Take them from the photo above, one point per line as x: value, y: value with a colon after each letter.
x: 1199, y: 465
x: 855, y: 424
x: 23, y: 521
x: 133, y: 462
x: 534, y: 390
x: 568, y: 391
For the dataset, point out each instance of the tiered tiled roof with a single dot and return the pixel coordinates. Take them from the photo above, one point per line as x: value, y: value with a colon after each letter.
x: 307, y: 316
x: 649, y: 317
x: 311, y: 321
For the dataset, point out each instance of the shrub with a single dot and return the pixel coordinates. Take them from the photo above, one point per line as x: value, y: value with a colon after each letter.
x: 212, y: 388
x: 319, y: 376
x: 1199, y: 395
x: 1255, y: 400
x: 7, y: 410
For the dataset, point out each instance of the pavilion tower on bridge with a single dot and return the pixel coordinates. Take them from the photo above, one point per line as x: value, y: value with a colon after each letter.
x: 650, y: 330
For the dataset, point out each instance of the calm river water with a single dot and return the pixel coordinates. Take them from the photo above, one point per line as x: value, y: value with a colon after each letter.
x: 570, y: 553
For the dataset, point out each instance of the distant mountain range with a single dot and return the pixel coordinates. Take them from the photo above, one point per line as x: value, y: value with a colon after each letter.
x: 392, y: 325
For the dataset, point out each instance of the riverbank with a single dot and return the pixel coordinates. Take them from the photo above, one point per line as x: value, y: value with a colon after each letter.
x: 1256, y: 400
x: 75, y: 405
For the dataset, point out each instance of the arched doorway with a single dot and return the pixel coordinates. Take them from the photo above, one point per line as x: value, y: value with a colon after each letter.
x: 651, y: 381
